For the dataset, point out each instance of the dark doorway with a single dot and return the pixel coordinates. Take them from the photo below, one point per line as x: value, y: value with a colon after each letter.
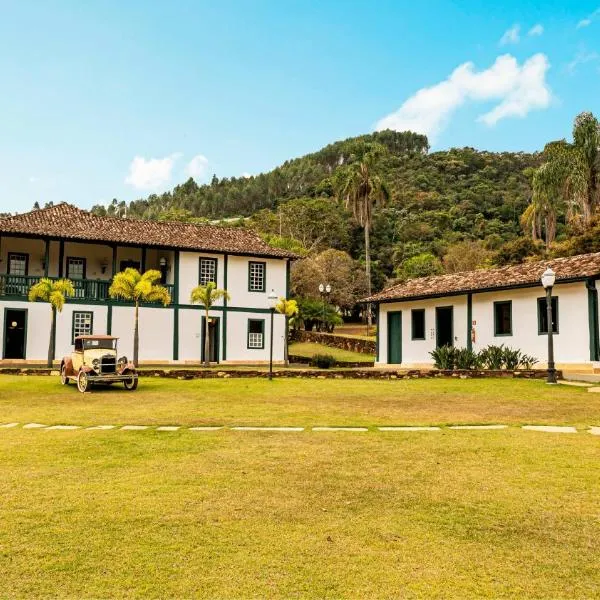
x: 394, y: 324
x: 213, y: 338
x: 444, y: 326
x: 130, y: 264
x: 15, y: 333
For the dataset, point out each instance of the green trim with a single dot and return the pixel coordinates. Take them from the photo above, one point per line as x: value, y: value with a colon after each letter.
x: 47, y: 258
x: 23, y: 310
x: 84, y: 265
x: 543, y: 309
x: 81, y: 312
x: 377, y: 330
x: 593, y: 319
x: 248, y: 334
x: 224, y: 325
x: 288, y: 275
x: 143, y: 263
x: 61, y: 257
x: 25, y: 254
x: 109, y: 318
x: 469, y: 321
x: 215, y: 261
x: 264, y: 286
x: 176, y: 308
x: 114, y: 259
x: 496, y: 304
x: 412, y: 324
x: 217, y: 334
x: 437, y: 309
x: 390, y: 360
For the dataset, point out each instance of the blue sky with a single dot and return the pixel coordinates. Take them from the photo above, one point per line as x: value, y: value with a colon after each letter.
x: 104, y: 99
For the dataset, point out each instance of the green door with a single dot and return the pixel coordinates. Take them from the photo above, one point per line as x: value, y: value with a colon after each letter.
x: 394, y: 322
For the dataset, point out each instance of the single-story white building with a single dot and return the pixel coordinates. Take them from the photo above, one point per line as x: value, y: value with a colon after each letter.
x: 506, y: 306
x: 65, y: 241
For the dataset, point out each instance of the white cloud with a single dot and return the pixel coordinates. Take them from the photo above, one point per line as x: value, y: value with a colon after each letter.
x: 197, y: 167
x: 33, y: 179
x: 152, y: 173
x: 246, y: 175
x: 519, y: 89
x: 537, y: 29
x: 589, y: 19
x: 511, y: 36
x: 582, y: 57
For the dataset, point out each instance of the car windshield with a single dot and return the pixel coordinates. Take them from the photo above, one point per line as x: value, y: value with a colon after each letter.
x: 107, y: 344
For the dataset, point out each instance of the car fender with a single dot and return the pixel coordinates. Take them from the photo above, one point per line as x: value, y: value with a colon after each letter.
x: 67, y: 362
x: 86, y: 369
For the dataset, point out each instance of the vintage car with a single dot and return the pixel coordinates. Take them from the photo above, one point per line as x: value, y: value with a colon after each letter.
x: 94, y: 360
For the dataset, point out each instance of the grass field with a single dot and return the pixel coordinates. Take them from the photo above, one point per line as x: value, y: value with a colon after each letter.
x: 309, y: 349
x: 458, y: 514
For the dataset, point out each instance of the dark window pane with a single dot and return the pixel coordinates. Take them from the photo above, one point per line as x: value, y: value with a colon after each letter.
x: 503, y: 318
x: 543, y: 315
x: 418, y: 324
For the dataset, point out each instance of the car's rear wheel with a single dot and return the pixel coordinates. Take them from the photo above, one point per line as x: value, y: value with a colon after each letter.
x: 131, y: 384
x: 83, y: 382
x: 64, y: 380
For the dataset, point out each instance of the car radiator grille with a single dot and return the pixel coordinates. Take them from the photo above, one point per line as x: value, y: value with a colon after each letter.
x: 108, y: 364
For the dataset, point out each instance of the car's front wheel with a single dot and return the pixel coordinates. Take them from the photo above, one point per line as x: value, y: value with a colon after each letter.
x: 83, y: 382
x: 131, y: 384
x: 64, y: 380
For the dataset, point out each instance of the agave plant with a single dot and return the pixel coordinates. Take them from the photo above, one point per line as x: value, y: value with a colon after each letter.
x: 466, y: 359
x: 492, y: 357
x: 444, y: 357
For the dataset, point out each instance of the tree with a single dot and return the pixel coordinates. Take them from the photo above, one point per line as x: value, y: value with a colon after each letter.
x: 421, y: 265
x: 467, y: 255
x: 207, y: 295
x: 361, y: 189
x: 54, y: 292
x: 289, y: 308
x: 135, y: 287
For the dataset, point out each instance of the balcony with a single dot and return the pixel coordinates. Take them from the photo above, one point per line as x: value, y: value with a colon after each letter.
x: 94, y: 290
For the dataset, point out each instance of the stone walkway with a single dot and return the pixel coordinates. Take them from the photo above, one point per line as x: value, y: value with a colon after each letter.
x: 319, y: 428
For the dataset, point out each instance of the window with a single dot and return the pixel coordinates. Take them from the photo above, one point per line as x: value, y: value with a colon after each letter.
x: 83, y: 323
x: 256, y: 333
x: 503, y: 318
x: 543, y: 315
x: 75, y: 268
x: 257, y: 276
x: 17, y: 263
x: 208, y: 270
x: 418, y: 324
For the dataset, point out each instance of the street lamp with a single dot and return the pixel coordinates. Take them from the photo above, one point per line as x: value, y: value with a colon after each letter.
x: 548, y: 279
x: 325, y: 290
x: 272, y: 298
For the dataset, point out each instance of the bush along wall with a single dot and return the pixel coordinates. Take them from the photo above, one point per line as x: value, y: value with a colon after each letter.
x: 493, y: 358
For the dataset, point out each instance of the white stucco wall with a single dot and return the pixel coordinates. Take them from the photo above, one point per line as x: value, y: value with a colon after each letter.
x: 189, y: 273
x: 36, y: 249
x: 237, y: 331
x: 38, y: 327
x: 571, y: 343
x: 64, y: 325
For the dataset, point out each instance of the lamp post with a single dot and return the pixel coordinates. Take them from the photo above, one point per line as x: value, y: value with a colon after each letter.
x: 272, y: 298
x: 324, y: 290
x: 548, y: 279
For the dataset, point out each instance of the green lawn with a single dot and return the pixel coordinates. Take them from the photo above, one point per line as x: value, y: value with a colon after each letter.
x: 309, y: 349
x: 225, y: 514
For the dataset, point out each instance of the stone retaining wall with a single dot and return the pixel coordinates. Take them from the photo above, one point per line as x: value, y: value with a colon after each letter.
x: 334, y: 341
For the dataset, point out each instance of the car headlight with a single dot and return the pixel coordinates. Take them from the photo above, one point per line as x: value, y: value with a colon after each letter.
x: 123, y: 360
x: 95, y: 363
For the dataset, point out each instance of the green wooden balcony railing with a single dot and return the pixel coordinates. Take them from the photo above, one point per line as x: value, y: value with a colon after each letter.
x: 17, y: 286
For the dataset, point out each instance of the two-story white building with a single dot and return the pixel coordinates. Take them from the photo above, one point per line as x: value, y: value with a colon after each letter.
x: 65, y: 241
x: 506, y: 306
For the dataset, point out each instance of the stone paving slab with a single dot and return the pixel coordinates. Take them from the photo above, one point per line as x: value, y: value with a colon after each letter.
x: 251, y: 428
x: 409, y: 428
x: 34, y: 426
x: 8, y: 425
x: 134, y: 427
x: 206, y: 428
x: 340, y: 429
x: 100, y: 427
x: 594, y: 430
x: 476, y: 427
x: 575, y: 383
x: 594, y: 390
x: 168, y: 428
x: 63, y: 427
x: 550, y: 428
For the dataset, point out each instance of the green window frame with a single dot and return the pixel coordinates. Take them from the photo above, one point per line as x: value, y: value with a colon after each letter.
x: 417, y: 321
x: 503, y: 325
x: 257, y: 276
x: 82, y: 323
x: 207, y: 270
x: 79, y: 261
x: 255, y: 340
x: 22, y: 258
x: 542, y: 315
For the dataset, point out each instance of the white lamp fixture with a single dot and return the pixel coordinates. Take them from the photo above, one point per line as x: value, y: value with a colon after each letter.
x: 548, y: 278
x: 272, y: 298
x: 328, y: 289
x: 321, y: 288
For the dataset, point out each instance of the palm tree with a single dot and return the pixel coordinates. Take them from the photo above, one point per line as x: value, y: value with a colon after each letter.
x: 289, y: 308
x: 207, y: 295
x: 361, y: 189
x: 54, y: 292
x: 135, y: 287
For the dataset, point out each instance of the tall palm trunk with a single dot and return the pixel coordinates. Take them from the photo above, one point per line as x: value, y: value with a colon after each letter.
x: 136, y: 335
x: 368, y: 267
x: 51, y: 344
x: 206, y: 341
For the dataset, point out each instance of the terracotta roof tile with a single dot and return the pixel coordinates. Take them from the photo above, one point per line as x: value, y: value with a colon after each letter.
x: 69, y: 222
x: 526, y: 274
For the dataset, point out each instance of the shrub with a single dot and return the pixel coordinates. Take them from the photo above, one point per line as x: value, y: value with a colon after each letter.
x: 511, y: 358
x: 528, y: 361
x: 492, y: 357
x: 466, y: 359
x: 444, y: 357
x: 323, y: 361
